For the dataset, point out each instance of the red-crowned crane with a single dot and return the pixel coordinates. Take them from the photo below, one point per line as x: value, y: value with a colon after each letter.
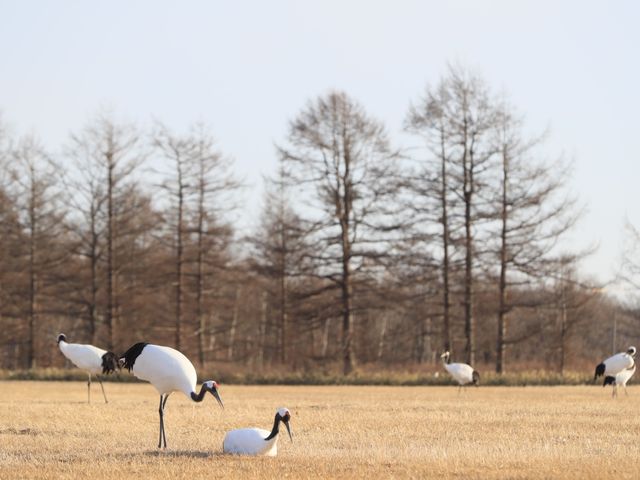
x: 256, y: 441
x: 168, y: 371
x: 617, y: 369
x: 461, y: 372
x: 92, y: 360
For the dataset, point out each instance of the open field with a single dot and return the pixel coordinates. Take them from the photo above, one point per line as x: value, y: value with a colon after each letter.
x: 47, y: 430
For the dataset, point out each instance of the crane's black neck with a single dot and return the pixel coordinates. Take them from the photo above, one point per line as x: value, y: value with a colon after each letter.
x: 276, y: 427
x: 200, y: 396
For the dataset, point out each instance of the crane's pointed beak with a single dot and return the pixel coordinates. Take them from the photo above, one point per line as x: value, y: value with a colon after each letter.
x: 217, y: 395
x: 286, y: 424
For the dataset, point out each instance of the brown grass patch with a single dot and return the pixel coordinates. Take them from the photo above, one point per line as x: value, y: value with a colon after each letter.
x: 48, y: 431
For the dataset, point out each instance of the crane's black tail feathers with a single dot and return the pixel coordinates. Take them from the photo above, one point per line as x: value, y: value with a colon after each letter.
x: 599, y: 371
x: 109, y: 363
x: 475, y: 378
x: 608, y: 380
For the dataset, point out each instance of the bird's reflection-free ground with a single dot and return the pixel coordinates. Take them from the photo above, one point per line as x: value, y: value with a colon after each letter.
x: 47, y: 431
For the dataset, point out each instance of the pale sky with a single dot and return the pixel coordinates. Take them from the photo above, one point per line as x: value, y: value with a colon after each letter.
x: 247, y: 67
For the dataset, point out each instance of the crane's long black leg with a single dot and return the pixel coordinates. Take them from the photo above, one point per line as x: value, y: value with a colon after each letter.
x: 102, y: 386
x: 164, y: 434
x: 89, y: 390
x: 161, y: 413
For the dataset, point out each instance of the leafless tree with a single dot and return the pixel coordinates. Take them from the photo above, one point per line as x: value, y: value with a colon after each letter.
x: 457, y: 119
x: 431, y: 191
x: 535, y: 212
x: 341, y: 159
x: 177, y: 150
x: 38, y: 198
x: 111, y: 152
x: 280, y: 254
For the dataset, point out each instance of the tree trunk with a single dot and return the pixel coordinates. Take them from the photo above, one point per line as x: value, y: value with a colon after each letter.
x: 468, y: 188
x: 325, y: 338
x: 32, y: 275
x: 446, y: 328
x: 283, y: 285
x: 469, y: 321
x: 347, y: 291
x: 381, y: 341
x: 179, y: 259
x: 563, y: 328
x: 200, y: 317
x: 234, y: 325
x: 262, y: 344
x: 502, y: 287
x: 110, y: 261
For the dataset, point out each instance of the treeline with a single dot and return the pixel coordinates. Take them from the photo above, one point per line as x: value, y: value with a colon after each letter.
x: 365, y: 253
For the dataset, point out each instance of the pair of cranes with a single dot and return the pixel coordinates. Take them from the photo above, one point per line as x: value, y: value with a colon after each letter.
x: 168, y: 370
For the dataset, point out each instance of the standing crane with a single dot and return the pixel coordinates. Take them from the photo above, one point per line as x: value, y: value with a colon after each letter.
x: 461, y: 372
x: 168, y: 371
x: 617, y: 370
x: 92, y: 360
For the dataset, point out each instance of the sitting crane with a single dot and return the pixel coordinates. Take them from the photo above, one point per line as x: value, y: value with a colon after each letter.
x: 256, y: 441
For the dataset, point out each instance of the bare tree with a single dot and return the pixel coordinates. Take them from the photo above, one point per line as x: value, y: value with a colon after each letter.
x: 280, y: 251
x: 431, y: 195
x: 341, y: 159
x: 534, y: 212
x: 214, y: 187
x: 457, y: 119
x: 178, y: 151
x: 112, y: 153
x: 86, y: 197
x: 33, y: 175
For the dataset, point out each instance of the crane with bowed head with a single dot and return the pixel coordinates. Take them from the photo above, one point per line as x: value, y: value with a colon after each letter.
x: 168, y: 371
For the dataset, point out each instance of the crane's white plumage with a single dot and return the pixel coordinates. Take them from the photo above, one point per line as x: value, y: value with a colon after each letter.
x: 257, y: 441
x: 168, y: 371
x: 616, y: 363
x: 461, y: 372
x: 93, y: 360
x: 617, y: 369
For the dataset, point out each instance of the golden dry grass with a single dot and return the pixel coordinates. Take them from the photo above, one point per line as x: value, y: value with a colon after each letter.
x: 48, y: 431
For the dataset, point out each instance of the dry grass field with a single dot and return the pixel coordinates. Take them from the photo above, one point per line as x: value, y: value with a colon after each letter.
x: 47, y: 430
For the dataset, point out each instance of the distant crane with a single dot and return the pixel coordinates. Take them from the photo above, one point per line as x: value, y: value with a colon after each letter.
x: 256, y: 441
x: 168, y: 371
x: 92, y: 360
x: 461, y: 372
x: 617, y: 369
x: 620, y: 379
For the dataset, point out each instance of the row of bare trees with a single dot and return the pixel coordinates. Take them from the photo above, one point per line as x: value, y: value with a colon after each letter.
x: 363, y: 251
